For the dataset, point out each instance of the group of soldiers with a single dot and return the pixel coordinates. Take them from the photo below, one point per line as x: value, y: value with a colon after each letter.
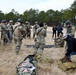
x: 58, y: 40
x: 6, y: 30
x: 19, y: 30
x: 70, y: 46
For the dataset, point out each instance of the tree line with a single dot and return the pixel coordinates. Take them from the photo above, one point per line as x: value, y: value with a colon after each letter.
x: 51, y: 17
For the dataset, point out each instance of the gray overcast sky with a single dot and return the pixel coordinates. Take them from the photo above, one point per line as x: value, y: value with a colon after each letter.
x: 22, y: 5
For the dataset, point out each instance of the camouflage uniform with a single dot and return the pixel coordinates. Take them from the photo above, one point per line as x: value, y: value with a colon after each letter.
x: 35, y: 27
x: 71, y: 31
x: 10, y: 33
x: 18, y: 37
x: 40, y: 40
x: 25, y: 27
x: 59, y: 42
x: 70, y: 28
x: 45, y: 26
x: 4, y: 33
x: 28, y: 29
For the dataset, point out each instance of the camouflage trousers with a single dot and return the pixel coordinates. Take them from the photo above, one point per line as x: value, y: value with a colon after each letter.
x: 28, y: 34
x: 5, y: 39
x: 39, y: 46
x: 58, y: 44
x: 18, y: 44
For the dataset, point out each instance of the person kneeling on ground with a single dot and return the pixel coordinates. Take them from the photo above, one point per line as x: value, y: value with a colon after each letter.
x: 59, y: 42
x: 71, y: 48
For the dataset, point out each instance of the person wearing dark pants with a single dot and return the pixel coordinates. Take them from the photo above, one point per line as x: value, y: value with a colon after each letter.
x: 54, y: 31
x: 71, y: 47
x: 59, y: 30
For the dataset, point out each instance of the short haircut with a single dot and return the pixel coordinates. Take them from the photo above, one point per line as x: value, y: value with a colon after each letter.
x: 41, y: 24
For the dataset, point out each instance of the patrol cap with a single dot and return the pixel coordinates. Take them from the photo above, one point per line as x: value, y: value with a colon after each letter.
x: 65, y: 37
x: 4, y: 21
x: 11, y: 21
x: 68, y: 22
x: 20, y: 20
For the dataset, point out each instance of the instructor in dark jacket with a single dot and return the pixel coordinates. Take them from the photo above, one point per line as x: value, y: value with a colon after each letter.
x: 71, y: 46
x: 59, y: 30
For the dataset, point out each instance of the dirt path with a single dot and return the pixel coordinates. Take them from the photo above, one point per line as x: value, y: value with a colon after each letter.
x: 9, y: 60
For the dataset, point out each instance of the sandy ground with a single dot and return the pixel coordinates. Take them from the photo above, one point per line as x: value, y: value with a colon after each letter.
x: 9, y: 60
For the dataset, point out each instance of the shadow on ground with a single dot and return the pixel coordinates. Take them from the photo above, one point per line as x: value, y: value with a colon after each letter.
x: 46, y: 46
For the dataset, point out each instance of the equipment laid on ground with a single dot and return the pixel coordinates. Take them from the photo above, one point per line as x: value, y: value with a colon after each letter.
x: 28, y: 66
x: 68, y: 67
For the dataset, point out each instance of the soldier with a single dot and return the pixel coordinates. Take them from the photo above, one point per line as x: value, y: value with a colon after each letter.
x: 19, y: 33
x: 10, y: 33
x: 28, y: 29
x: 4, y: 32
x: 59, y: 42
x: 70, y: 28
x: 40, y: 39
x: 71, y: 48
x: 54, y: 29
x: 35, y: 28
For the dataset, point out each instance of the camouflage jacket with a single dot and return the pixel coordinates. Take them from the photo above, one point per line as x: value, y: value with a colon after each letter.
x: 28, y: 28
x: 59, y: 42
x: 35, y: 27
x: 10, y: 27
x: 71, y: 30
x: 19, y: 31
x: 40, y: 35
x: 4, y: 29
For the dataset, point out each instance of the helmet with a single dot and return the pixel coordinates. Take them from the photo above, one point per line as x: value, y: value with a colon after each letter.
x: 3, y: 21
x: 68, y: 22
x: 20, y: 20
x: 26, y: 21
x: 36, y: 22
x: 11, y: 21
